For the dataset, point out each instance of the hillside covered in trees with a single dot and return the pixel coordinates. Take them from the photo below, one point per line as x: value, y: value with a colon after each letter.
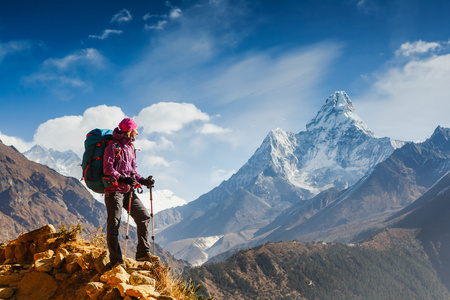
x: 393, y: 265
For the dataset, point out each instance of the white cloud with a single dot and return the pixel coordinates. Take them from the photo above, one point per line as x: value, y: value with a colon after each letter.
x: 123, y: 16
x: 18, y: 143
x: 213, y: 129
x: 409, y: 101
x: 155, y: 162
x: 12, y: 47
x: 69, y: 132
x: 175, y: 13
x: 106, y: 34
x: 420, y: 47
x: 158, y: 26
x: 169, y: 117
x: 147, y: 145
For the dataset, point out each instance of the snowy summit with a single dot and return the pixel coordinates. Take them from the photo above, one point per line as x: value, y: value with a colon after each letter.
x: 338, y: 112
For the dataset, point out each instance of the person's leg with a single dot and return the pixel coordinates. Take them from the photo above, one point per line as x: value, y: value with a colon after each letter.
x: 142, y: 219
x: 113, y: 202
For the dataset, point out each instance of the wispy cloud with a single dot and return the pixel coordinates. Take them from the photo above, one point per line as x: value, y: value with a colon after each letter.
x: 219, y: 175
x: 124, y: 16
x: 12, y: 47
x: 192, y: 61
x: 148, y: 16
x: 106, y: 34
x: 367, y: 6
x: 84, y: 57
x: 59, y: 75
x: 163, y: 20
x: 160, y: 25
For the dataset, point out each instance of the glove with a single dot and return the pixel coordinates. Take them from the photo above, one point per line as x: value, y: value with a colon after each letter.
x: 127, y: 180
x: 148, y: 182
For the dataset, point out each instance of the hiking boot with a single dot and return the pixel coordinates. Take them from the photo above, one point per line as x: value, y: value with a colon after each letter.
x: 148, y: 257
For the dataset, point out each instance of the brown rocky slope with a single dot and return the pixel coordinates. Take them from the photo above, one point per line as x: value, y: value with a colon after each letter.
x: 45, y: 264
x: 32, y: 195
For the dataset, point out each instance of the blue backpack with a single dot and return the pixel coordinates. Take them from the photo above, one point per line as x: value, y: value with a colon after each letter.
x: 92, y: 163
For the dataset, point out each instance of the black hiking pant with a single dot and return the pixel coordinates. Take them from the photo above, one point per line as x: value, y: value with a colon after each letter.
x: 114, y: 203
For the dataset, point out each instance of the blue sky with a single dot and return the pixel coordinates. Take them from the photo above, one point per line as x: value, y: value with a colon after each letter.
x: 207, y: 80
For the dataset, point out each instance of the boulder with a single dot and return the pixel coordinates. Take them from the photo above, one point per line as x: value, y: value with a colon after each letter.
x: 44, y: 265
x: 94, y: 289
x: 9, y: 251
x: 10, y: 279
x: 36, y: 234
x: 72, y: 262
x: 21, y: 252
x: 137, y: 291
x: 115, y: 276
x: 87, y: 260
x: 46, y: 254
x: 101, y: 262
x: 6, y: 292
x: 141, y: 278
x: 37, y: 286
x: 61, y: 254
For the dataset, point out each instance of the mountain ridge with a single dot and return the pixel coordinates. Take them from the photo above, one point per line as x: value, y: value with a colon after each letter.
x: 288, y: 168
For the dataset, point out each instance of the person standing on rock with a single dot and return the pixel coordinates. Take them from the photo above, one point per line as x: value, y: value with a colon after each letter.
x: 118, y: 196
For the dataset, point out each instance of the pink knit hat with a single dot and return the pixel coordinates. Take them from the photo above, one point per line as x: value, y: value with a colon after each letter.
x: 127, y: 124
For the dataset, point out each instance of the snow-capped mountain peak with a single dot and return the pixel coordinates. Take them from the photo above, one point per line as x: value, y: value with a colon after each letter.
x: 66, y: 163
x: 338, y: 112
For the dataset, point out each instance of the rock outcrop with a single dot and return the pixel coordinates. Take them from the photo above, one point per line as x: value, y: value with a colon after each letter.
x: 45, y: 264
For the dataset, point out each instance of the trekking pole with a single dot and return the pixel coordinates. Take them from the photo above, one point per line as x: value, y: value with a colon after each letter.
x: 128, y: 221
x: 151, y: 213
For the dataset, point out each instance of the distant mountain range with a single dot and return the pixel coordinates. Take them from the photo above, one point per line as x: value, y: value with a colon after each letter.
x: 66, y: 163
x: 287, y: 171
x: 392, y: 185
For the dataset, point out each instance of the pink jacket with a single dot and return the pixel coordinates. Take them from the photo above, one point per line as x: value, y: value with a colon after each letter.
x: 126, y: 164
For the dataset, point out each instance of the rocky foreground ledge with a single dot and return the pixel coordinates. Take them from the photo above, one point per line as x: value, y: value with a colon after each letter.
x: 43, y: 264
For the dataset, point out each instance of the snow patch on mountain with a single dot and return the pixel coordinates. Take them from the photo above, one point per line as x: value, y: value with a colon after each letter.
x: 338, y: 111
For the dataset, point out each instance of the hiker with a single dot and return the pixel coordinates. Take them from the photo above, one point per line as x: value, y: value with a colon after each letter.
x: 118, y: 196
